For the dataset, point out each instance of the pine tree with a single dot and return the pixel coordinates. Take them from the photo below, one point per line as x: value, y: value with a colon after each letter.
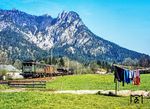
x: 61, y: 62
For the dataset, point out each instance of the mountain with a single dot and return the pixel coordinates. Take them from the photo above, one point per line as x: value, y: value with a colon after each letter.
x: 24, y: 36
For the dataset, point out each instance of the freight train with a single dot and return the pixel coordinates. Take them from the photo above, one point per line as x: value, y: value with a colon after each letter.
x: 34, y: 69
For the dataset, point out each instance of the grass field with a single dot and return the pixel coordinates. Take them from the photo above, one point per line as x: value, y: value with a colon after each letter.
x: 2, y: 87
x: 45, y: 100
x: 92, y: 82
x: 33, y: 99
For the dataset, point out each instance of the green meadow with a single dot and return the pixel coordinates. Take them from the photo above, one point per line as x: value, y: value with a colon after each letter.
x: 35, y: 99
x: 3, y: 87
x: 45, y: 100
x: 95, y: 82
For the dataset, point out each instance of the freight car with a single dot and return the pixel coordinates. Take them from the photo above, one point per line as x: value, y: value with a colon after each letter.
x: 34, y: 69
x: 65, y: 71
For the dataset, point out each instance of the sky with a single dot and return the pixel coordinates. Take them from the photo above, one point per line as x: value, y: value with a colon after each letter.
x: 124, y: 22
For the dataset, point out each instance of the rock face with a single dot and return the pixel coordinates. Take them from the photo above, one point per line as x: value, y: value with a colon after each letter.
x: 25, y: 36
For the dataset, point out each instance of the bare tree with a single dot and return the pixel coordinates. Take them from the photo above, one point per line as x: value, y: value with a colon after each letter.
x: 3, y: 57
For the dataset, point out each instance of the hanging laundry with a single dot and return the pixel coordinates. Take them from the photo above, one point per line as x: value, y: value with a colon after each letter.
x: 119, y: 74
x: 136, y: 80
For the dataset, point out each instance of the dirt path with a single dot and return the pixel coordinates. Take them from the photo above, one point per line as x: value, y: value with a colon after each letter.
x: 77, y: 91
x: 107, y: 92
x: 101, y: 92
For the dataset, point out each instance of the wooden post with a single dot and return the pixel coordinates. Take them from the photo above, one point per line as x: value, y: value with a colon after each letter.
x: 116, y: 87
x: 142, y: 99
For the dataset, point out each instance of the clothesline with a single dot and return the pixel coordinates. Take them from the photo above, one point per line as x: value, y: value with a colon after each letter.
x: 127, y: 74
x: 131, y: 68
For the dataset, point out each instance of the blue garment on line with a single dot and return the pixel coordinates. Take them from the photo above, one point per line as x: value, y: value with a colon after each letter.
x: 127, y: 76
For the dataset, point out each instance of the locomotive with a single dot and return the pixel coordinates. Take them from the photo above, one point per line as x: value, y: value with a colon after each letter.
x: 34, y: 69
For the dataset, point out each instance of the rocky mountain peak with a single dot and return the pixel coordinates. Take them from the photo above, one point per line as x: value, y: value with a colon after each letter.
x: 68, y: 16
x: 17, y: 17
x: 67, y: 35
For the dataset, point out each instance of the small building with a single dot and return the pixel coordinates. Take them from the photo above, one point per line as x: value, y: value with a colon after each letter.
x: 100, y: 71
x: 12, y: 72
